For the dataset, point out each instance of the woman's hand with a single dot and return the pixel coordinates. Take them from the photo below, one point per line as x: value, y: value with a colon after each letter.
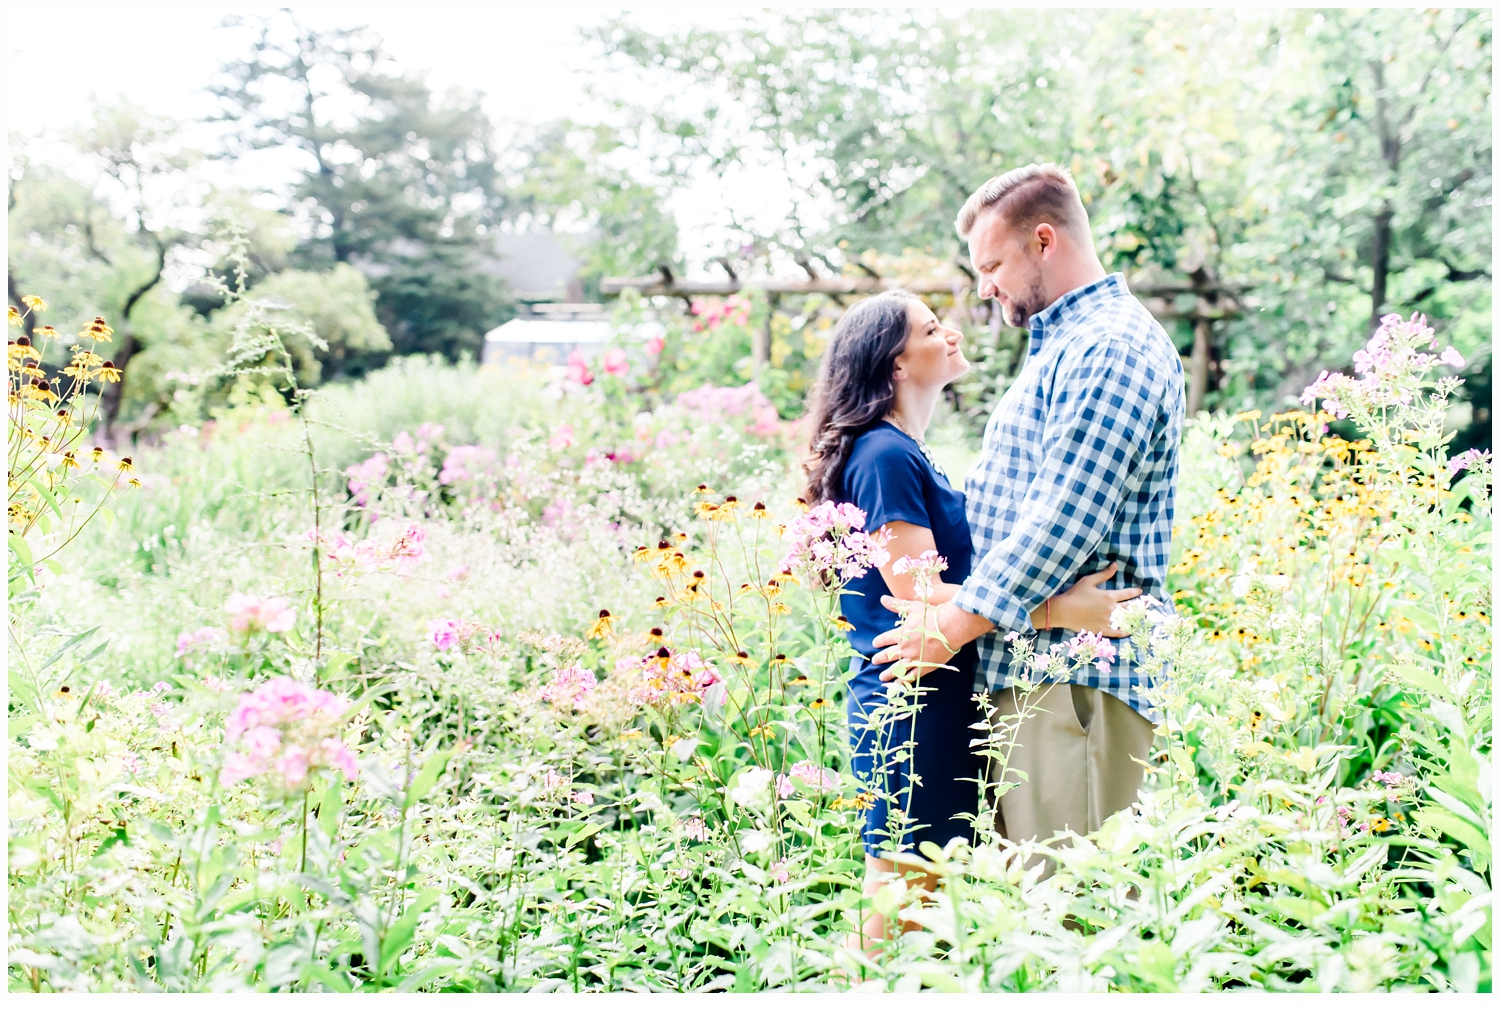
x: 1086, y: 607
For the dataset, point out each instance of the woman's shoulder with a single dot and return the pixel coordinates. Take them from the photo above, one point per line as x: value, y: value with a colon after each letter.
x: 884, y: 445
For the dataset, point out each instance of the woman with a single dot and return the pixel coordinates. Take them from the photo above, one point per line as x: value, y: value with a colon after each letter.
x: 882, y: 374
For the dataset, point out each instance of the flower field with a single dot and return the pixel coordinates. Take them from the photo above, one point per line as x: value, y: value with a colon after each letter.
x: 467, y: 681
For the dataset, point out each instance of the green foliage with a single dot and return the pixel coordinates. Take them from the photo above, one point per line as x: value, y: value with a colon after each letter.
x: 503, y: 835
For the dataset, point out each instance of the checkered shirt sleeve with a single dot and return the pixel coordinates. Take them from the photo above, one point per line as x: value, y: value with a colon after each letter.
x: 1104, y: 400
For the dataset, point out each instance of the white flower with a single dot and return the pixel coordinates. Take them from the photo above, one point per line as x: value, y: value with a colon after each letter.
x: 753, y: 789
x: 754, y: 841
x: 682, y: 750
x: 1248, y: 582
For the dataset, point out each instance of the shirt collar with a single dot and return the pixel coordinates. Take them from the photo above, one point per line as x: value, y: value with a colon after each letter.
x: 1074, y: 304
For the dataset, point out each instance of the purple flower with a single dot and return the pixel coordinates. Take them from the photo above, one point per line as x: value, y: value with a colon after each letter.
x: 1467, y: 460
x: 443, y: 633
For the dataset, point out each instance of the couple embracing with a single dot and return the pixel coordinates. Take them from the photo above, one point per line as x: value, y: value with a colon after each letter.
x: 1067, y: 513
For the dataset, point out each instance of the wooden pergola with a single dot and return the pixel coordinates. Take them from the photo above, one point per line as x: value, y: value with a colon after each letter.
x: 1203, y: 300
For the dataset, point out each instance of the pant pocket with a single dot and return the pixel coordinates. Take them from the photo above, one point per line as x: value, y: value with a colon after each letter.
x: 1083, y: 705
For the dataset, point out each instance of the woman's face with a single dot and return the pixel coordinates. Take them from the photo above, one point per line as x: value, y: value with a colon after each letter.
x: 933, y: 356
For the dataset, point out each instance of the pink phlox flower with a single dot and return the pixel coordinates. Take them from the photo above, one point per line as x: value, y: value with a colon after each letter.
x: 1452, y: 358
x: 561, y: 438
x: 466, y: 462
x: 189, y: 642
x: 929, y: 560
x: 459, y: 574
x: 252, y: 613
x: 784, y: 787
x: 814, y: 775
x: 445, y: 633
x: 578, y: 370
x: 367, y: 475
x: 695, y: 829
x: 1087, y: 647
x: 569, y: 687
x: 429, y: 431
x: 405, y: 445
x: 830, y: 544
x: 655, y: 344
x: 408, y: 545
x: 615, y: 362
x: 780, y: 871
x: 287, y: 727
x: 553, y: 780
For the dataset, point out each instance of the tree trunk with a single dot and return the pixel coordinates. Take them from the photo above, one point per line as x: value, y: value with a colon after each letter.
x: 1380, y: 262
x: 760, y: 340
x: 114, y: 392
x: 1198, y: 364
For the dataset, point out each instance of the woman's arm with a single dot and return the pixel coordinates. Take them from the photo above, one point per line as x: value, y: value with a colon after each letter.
x: 910, y: 541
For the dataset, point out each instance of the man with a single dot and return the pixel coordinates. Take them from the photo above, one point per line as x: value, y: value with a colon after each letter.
x: 1078, y: 470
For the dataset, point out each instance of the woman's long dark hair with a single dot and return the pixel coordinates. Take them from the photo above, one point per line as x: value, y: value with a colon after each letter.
x: 856, y: 386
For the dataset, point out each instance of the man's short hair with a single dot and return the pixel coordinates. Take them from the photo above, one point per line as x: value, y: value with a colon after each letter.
x: 1025, y: 197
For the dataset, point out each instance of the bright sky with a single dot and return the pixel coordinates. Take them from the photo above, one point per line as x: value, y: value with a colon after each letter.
x: 528, y: 62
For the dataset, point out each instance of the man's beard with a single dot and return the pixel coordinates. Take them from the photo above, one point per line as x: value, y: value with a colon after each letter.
x: 1023, y: 308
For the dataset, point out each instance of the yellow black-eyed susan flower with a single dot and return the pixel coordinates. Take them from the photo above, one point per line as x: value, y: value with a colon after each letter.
x: 98, y: 331
x: 818, y: 703
x: 126, y: 465
x: 842, y: 623
x: 741, y: 658
x: 758, y: 511
x: 602, y: 625
x: 661, y: 601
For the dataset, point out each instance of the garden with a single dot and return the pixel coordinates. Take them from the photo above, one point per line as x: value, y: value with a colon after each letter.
x: 354, y: 667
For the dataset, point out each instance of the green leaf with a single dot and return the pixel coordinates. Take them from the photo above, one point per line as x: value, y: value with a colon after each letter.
x: 46, y: 497
x: 587, y: 831
x: 1454, y: 827
x: 399, y: 936
x: 324, y: 976
x: 1423, y: 680
x: 21, y: 549
x: 71, y: 643
x: 330, y: 806
x: 427, y: 777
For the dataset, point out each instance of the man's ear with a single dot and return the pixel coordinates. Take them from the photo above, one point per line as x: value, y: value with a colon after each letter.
x: 1046, y: 239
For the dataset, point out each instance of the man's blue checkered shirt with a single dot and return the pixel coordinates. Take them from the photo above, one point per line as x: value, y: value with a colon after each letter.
x: 1079, y: 469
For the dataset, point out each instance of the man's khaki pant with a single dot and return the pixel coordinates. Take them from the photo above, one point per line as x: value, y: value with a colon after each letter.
x: 1081, y: 751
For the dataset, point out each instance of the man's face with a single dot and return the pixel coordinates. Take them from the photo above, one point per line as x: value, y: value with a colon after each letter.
x: 1009, y: 265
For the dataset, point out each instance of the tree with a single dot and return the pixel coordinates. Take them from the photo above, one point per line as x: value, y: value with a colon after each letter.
x: 106, y: 242
x: 1378, y: 185
x: 1216, y: 151
x: 396, y: 181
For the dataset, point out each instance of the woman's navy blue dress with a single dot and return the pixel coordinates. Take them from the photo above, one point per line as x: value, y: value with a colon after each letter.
x: 888, y: 477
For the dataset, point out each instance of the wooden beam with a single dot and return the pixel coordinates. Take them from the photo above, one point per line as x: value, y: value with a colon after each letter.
x: 1220, y: 303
